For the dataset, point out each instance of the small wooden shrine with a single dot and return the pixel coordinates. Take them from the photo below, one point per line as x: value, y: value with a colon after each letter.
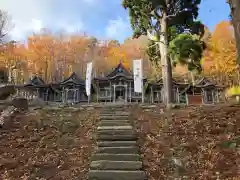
x: 118, y: 85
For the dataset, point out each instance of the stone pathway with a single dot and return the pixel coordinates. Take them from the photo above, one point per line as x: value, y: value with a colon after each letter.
x: 117, y: 155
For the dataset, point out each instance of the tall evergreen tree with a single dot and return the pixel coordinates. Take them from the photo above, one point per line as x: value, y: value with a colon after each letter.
x: 156, y: 18
x: 187, y: 49
x: 235, y: 15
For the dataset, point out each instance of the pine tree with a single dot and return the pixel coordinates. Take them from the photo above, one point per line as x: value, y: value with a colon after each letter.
x: 155, y: 18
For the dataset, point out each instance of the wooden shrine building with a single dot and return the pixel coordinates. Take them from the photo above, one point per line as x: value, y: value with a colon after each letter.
x: 70, y: 90
x: 34, y: 87
x: 156, y: 93
x: 203, y: 92
x: 73, y: 89
x: 118, y: 85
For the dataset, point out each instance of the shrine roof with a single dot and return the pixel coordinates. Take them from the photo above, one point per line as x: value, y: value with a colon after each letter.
x: 36, y: 80
x: 119, y: 70
x: 160, y: 82
x: 74, y: 78
x: 204, y: 82
x: 113, y: 77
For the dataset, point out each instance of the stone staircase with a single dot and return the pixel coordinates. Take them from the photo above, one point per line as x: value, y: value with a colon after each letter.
x: 117, y: 155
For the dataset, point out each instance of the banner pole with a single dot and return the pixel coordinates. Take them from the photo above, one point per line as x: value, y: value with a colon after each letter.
x: 88, y: 81
x: 142, y: 81
x: 142, y: 92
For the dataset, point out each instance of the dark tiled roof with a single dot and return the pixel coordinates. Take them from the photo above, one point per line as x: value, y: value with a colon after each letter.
x: 35, y: 81
x: 74, y: 78
x: 119, y: 69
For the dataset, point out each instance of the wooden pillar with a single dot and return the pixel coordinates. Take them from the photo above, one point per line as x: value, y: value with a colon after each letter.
x: 203, y: 93
x: 89, y: 97
x: 38, y: 95
x: 130, y: 92
x: 47, y: 95
x: 97, y: 90
x: 63, y: 94
x: 162, y: 95
x: 17, y: 92
x: 74, y: 94
x: 213, y: 97
x: 177, y: 95
x: 114, y: 93
x: 186, y: 98
x: 142, y: 92
x: 126, y: 93
x: 151, y: 95
x: 110, y: 91
x: 217, y: 95
x: 159, y: 96
x: 67, y: 94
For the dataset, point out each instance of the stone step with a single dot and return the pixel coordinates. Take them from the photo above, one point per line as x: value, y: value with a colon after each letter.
x: 116, y: 175
x: 118, y: 107
x: 113, y: 118
x: 102, y: 137
x: 116, y: 157
x: 115, y: 106
x: 116, y: 120
x: 115, y: 165
x: 118, y: 150
x: 113, y: 123
x: 116, y: 143
x: 113, y: 113
x: 129, y: 127
x: 111, y: 132
x: 117, y: 111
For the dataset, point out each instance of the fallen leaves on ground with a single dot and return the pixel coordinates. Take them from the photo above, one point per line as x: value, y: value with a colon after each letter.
x: 190, y: 143
x: 48, y: 144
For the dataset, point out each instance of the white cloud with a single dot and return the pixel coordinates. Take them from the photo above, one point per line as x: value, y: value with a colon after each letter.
x: 32, y: 15
x: 26, y: 16
x: 117, y: 28
x: 36, y: 25
x: 68, y: 27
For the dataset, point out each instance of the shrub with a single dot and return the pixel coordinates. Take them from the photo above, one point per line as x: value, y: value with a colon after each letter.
x: 234, y: 92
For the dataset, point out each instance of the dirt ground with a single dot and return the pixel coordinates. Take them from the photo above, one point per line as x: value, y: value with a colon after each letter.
x: 47, y: 144
x: 200, y: 143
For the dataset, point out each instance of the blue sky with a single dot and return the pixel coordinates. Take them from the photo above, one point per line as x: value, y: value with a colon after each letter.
x: 105, y: 19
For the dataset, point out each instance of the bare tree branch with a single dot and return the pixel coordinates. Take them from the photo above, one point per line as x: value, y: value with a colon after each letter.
x: 177, y: 13
x: 5, y: 25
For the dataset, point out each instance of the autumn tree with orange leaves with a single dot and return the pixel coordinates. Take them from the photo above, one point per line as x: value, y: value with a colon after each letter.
x: 54, y: 57
x: 220, y: 56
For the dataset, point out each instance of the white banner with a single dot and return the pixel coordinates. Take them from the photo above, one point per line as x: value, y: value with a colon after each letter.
x: 88, y: 78
x: 138, y: 75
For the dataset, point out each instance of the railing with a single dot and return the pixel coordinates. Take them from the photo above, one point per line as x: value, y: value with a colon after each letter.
x: 105, y: 97
x: 5, y: 84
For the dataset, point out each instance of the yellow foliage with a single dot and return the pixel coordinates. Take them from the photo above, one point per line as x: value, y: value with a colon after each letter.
x: 117, y: 54
x: 233, y: 91
x: 221, y: 54
x: 54, y: 57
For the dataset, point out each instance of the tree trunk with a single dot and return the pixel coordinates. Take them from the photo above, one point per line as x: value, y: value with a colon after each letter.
x: 46, y: 71
x: 235, y: 12
x: 193, y: 78
x: 166, y: 63
x: 9, y: 75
